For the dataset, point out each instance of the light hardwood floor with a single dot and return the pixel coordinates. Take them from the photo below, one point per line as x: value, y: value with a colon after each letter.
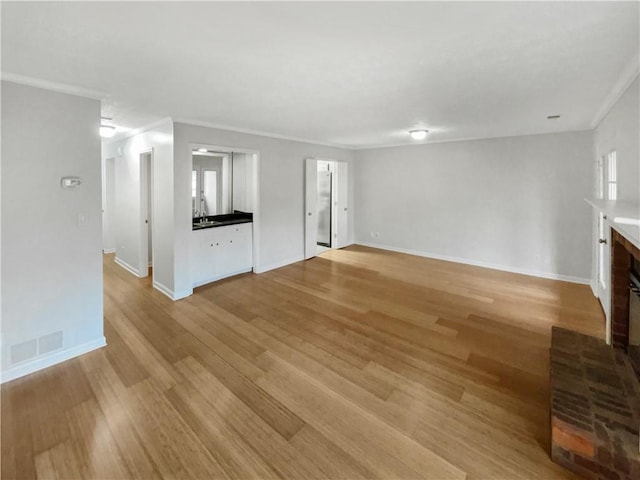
x: 356, y: 364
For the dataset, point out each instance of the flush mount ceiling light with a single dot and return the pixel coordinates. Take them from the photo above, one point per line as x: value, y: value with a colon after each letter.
x: 418, y: 134
x: 106, y: 131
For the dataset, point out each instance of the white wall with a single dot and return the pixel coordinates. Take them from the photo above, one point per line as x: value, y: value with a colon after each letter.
x: 512, y: 203
x: 51, y: 266
x: 281, y: 186
x: 619, y: 130
x: 128, y: 224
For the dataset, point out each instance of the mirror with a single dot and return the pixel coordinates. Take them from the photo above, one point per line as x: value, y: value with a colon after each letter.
x: 221, y: 182
x: 210, y: 185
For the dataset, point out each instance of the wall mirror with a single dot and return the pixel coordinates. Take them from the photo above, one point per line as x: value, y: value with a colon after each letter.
x: 221, y: 182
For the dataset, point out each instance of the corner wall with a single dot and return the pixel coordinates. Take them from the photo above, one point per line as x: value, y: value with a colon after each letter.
x: 126, y: 219
x: 51, y: 264
x: 619, y: 130
x: 514, y: 204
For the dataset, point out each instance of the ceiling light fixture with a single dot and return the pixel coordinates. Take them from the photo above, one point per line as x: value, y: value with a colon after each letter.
x: 418, y: 134
x: 106, y: 131
x: 202, y: 150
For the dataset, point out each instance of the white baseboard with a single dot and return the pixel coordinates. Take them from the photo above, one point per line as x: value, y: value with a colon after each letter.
x: 215, y: 279
x: 163, y: 289
x: 170, y: 293
x: 108, y: 250
x: 50, y: 360
x: 493, y: 266
x: 284, y: 263
x: 127, y: 267
x: 273, y: 266
x: 594, y: 290
x: 183, y: 294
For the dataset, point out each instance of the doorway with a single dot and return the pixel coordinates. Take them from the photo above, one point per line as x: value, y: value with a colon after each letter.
x: 236, y: 185
x: 146, y: 214
x: 326, y: 205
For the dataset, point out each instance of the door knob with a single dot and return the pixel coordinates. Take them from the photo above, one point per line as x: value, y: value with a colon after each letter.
x: 603, y: 240
x: 309, y: 213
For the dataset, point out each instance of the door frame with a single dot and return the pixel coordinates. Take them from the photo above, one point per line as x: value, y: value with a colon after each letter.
x: 310, y: 204
x: 108, y: 203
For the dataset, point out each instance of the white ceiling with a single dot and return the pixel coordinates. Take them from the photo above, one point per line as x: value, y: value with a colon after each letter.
x: 353, y: 74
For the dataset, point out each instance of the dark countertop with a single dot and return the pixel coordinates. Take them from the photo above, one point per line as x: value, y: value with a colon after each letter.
x: 212, y: 221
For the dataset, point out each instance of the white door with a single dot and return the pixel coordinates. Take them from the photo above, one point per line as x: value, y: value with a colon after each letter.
x: 342, y: 229
x: 310, y: 208
x: 604, y: 269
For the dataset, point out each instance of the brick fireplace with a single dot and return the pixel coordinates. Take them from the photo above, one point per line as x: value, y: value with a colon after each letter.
x: 625, y: 261
x: 595, y: 387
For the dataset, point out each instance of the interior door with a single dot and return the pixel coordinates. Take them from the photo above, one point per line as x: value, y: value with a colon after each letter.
x: 343, y: 205
x: 310, y: 208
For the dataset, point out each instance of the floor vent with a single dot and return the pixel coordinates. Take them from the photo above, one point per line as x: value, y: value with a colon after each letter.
x: 49, y: 343
x: 21, y: 352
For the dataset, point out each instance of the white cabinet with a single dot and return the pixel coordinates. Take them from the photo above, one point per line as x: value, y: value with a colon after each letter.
x: 201, y: 257
x: 234, y: 250
x: 220, y: 252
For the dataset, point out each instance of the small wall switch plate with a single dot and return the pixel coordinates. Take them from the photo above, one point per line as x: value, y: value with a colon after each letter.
x: 83, y: 219
x: 70, y: 182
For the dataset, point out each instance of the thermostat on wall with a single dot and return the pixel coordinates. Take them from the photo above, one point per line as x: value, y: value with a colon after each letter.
x: 70, y: 182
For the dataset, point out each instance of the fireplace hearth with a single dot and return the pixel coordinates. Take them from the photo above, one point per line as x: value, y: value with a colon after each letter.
x: 595, y: 387
x: 595, y: 408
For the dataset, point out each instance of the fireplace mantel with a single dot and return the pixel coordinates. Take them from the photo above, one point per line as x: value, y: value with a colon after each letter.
x: 624, y: 217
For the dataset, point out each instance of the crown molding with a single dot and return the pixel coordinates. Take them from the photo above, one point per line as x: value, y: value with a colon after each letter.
x: 628, y: 75
x: 53, y: 86
x: 199, y: 123
x: 123, y: 136
x: 466, y: 139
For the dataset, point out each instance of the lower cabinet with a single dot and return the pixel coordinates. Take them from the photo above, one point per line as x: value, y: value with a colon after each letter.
x: 220, y: 252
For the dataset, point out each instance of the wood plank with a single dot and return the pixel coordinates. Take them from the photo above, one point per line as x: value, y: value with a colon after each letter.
x: 365, y: 435
x: 360, y: 363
